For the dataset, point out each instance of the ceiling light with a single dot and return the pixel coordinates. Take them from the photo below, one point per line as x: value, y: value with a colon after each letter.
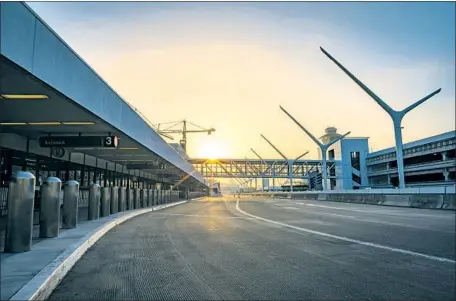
x: 128, y: 148
x: 24, y: 96
x: 13, y: 123
x: 45, y: 123
x: 78, y: 123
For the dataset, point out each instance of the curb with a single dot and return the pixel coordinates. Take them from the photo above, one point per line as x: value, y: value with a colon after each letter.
x: 42, y: 284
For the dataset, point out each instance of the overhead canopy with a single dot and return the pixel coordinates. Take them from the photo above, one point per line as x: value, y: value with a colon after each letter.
x: 66, y: 97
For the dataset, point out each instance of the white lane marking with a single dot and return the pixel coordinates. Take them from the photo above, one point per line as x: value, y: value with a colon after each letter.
x: 377, y: 212
x: 343, y: 216
x: 364, y: 243
x: 197, y: 215
x: 292, y: 208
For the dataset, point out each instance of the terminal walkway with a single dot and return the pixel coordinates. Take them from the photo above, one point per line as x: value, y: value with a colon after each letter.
x: 209, y: 250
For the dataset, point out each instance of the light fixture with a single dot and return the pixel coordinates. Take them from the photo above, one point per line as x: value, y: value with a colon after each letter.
x: 24, y: 96
x: 13, y: 123
x: 45, y: 123
x: 78, y: 123
x: 128, y: 148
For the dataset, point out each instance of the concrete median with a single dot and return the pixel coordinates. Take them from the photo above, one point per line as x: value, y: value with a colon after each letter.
x: 413, y: 198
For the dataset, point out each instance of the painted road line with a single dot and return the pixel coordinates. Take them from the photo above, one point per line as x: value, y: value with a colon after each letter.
x: 410, y: 214
x: 364, y: 243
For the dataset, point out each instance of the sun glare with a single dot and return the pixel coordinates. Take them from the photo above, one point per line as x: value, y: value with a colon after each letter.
x: 211, y: 149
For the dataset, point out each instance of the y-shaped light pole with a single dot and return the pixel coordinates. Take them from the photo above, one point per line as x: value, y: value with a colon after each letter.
x: 323, y: 147
x: 396, y: 116
x: 290, y: 164
x: 262, y: 161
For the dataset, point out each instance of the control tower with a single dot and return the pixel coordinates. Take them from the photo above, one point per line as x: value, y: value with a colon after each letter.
x: 330, y: 134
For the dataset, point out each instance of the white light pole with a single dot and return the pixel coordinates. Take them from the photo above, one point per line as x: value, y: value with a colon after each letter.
x: 396, y: 116
x: 262, y: 161
x: 289, y: 162
x: 323, y: 147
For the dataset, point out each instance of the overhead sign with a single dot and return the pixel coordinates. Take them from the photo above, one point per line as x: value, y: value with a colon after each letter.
x: 145, y: 166
x: 79, y: 141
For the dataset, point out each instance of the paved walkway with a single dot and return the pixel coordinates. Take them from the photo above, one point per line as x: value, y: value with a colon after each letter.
x: 18, y: 269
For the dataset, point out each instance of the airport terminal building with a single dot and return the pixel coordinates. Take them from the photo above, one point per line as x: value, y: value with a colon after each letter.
x: 427, y: 162
x: 59, y: 118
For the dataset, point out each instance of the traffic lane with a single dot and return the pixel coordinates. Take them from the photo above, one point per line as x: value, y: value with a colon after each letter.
x: 384, y: 229
x: 210, y: 251
x: 432, y: 220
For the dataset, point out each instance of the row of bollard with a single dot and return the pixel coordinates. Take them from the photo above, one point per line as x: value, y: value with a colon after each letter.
x: 103, y: 201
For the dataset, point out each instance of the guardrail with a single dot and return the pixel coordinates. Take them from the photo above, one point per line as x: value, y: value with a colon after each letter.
x: 28, y: 211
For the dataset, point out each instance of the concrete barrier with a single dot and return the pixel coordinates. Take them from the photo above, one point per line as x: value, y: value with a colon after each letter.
x: 449, y: 202
x: 428, y: 197
x: 398, y: 200
x: 430, y: 201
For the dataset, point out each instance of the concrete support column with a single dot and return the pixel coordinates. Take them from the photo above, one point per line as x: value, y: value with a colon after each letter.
x: 446, y: 174
x: 445, y: 156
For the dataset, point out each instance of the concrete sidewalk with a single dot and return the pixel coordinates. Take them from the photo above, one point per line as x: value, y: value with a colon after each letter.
x: 33, y: 274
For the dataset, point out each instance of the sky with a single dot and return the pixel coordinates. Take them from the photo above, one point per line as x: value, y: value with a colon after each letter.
x: 229, y: 65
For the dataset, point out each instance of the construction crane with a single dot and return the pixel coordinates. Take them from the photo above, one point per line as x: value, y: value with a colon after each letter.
x: 180, y: 127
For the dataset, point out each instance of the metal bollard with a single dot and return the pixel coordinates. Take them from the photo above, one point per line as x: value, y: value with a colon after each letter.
x: 19, y: 224
x: 94, y: 201
x: 50, y: 207
x: 114, y: 199
x: 150, y: 202
x: 141, y: 198
x: 105, y: 201
x: 130, y: 199
x: 122, y: 198
x: 70, y: 204
x: 137, y: 198
x: 144, y: 198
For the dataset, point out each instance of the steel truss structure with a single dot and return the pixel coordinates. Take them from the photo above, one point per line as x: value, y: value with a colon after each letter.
x: 255, y: 168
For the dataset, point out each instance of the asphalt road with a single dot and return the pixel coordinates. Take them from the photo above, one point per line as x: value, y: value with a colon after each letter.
x: 271, y: 250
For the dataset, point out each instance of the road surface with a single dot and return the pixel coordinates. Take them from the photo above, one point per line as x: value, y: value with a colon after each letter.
x: 258, y: 249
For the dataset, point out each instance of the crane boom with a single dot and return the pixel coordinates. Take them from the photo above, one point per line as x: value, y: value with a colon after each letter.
x: 171, y: 129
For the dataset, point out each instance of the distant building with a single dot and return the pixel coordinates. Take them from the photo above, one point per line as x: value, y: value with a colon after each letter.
x: 427, y: 162
x: 330, y: 135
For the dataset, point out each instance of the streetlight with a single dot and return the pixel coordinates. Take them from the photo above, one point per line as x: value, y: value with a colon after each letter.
x: 396, y: 116
x: 323, y: 147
